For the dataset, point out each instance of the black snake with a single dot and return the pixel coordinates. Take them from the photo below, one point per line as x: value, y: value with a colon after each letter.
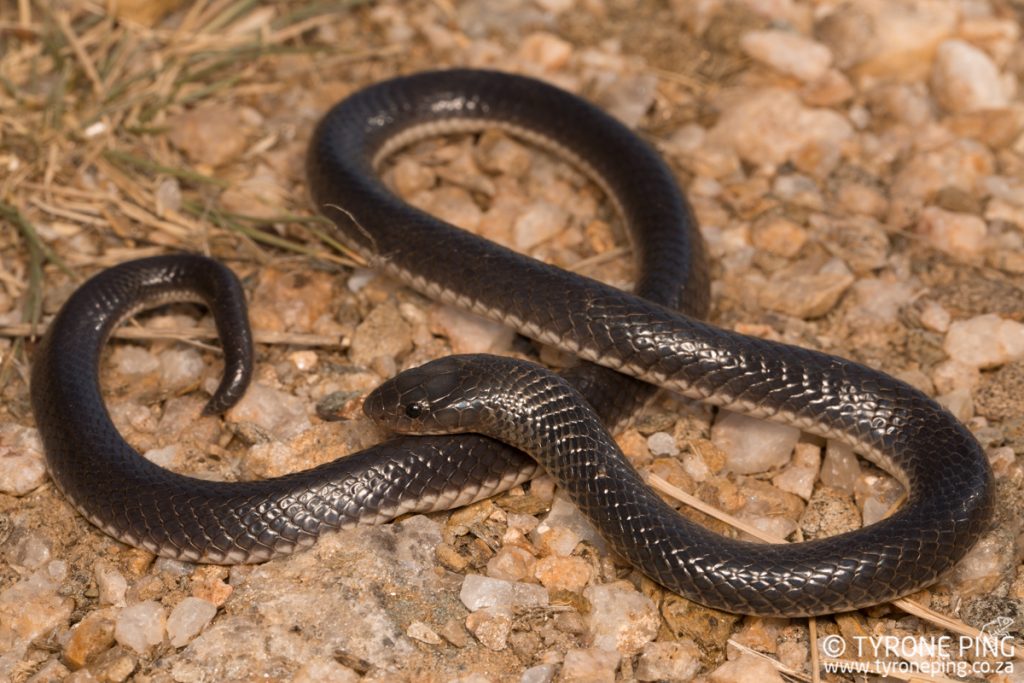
x: 949, y: 481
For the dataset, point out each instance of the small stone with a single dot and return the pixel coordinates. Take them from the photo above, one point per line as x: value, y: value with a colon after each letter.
x: 662, y: 443
x: 998, y: 36
x: 746, y: 669
x: 621, y: 618
x: 91, y: 636
x: 775, y: 529
x: 188, y: 618
x: 543, y: 490
x: 629, y: 97
x: 878, y: 303
x: 142, y: 626
x: 134, y: 360
x: 793, y: 654
x: 455, y: 633
x: 556, y: 540
x: 208, y: 584
x: 151, y: 586
x: 463, y: 519
x: 262, y: 194
x: 31, y: 607
x: 270, y: 459
x: 672, y: 471
x: 22, y: 470
x: 760, y: 633
x: 491, y: 627
x: 806, y: 295
x: 571, y: 622
x: 410, y: 177
x: 498, y: 153
x: 322, y: 670
x: 304, y: 361
x: 887, y: 39
x: 788, y: 53
x: 753, y: 445
x: 799, y: 190
x: 985, y: 341
x: 359, y: 279
x: 761, y: 499
x: 111, y: 584
x: 959, y: 402
x: 452, y: 204
x: 951, y: 375
x: 917, y: 379
x: 115, y: 665
x: 829, y: 512
x: 452, y: 559
x: 137, y: 561
x: 592, y: 665
x: 770, y: 126
x: 802, y: 472
x: 778, y: 235
x: 634, y: 446
x: 1009, y: 190
x: 674, y: 660
x: 539, y: 222
x: 423, y: 633
x: 479, y: 592
x: 860, y: 241
x: 470, y: 333
x: 542, y: 673
x: 840, y: 469
x: 181, y: 416
x: 545, y: 50
x: 279, y: 413
x: 985, y: 565
x: 705, y: 460
x: 173, y: 567
x: 830, y: 90
x: 384, y: 366
x: 878, y: 497
x: 168, y: 457
x: 563, y: 573
x: 965, y: 79
x: 555, y: 6
x: 52, y: 672
x: 563, y: 528
x: 996, y: 128
x: 959, y: 234
x: 511, y: 563
x: 522, y: 522
x: 211, y: 135
x: 714, y: 160
x: 935, y: 317
x: 32, y: 552
x: 863, y: 199
x: 962, y: 165
x: 382, y: 333
x: 999, y: 396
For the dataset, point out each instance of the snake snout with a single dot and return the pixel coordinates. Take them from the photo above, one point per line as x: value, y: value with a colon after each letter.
x: 435, y: 398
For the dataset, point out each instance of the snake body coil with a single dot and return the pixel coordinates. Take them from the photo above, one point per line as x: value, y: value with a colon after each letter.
x: 947, y: 475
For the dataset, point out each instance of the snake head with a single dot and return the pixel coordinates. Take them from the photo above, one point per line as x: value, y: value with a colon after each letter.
x: 436, y: 398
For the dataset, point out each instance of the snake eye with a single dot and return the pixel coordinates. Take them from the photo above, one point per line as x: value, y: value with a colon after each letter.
x: 413, y: 410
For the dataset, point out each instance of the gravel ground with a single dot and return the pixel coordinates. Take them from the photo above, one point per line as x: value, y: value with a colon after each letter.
x: 858, y: 173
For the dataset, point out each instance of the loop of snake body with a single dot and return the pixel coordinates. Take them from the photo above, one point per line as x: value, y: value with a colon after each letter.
x: 949, y: 482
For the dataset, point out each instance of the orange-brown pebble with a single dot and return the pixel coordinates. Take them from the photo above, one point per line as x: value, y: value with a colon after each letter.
x: 563, y: 573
